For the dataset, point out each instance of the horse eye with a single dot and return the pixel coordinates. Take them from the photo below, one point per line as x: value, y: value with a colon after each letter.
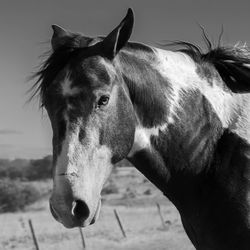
x: 103, y: 101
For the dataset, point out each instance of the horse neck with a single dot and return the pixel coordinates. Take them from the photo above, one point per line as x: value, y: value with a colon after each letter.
x: 177, y: 147
x: 171, y: 126
x: 148, y: 89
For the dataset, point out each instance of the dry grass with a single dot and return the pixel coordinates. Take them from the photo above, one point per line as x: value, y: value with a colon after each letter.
x: 137, y: 211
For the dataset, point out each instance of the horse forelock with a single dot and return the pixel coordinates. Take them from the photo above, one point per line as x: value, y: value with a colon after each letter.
x: 66, y: 85
x: 73, y: 47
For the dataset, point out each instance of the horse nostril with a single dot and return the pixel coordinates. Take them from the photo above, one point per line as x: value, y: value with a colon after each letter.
x: 80, y: 210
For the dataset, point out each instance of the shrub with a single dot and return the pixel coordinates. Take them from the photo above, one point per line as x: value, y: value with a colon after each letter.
x: 110, y: 188
x: 130, y: 193
x: 40, y: 169
x: 148, y: 192
x: 14, y: 169
x: 22, y: 169
x: 15, y: 195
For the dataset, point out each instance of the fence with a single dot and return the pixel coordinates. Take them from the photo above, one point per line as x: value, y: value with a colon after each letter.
x: 117, y: 227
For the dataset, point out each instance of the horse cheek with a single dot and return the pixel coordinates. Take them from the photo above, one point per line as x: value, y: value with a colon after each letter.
x: 120, y: 129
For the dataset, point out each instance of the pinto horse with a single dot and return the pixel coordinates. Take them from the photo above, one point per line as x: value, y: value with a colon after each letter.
x: 181, y: 117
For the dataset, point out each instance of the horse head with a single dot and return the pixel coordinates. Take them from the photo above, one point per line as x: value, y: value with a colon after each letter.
x: 91, y: 116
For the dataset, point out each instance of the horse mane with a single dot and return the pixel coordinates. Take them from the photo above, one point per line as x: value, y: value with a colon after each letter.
x: 49, y: 68
x: 231, y: 62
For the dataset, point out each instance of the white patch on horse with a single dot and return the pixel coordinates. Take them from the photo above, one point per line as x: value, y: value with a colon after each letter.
x: 181, y: 71
x: 65, y: 161
x: 142, y: 138
x: 81, y: 169
x: 76, y: 157
x: 241, y: 126
x: 175, y: 96
x: 66, y: 87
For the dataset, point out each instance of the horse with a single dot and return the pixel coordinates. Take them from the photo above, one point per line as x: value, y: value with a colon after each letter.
x: 180, y: 116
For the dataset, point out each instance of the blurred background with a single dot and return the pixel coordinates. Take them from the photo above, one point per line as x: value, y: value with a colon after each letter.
x: 25, y: 134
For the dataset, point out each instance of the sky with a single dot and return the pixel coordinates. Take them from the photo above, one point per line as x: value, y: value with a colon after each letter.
x: 25, y: 32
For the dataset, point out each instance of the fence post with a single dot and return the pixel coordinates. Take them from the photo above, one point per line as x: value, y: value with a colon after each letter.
x: 160, y: 214
x: 119, y: 223
x: 82, y: 237
x: 33, y: 235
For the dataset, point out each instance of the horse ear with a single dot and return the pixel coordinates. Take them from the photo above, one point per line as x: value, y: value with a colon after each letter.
x: 60, y: 36
x: 119, y: 36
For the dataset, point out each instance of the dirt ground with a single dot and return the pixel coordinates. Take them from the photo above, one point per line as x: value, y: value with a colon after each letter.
x: 135, y: 200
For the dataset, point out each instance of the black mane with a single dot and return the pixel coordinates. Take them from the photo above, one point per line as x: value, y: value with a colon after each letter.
x: 232, y: 63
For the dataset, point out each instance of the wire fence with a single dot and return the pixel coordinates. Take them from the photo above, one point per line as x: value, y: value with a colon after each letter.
x: 116, y: 225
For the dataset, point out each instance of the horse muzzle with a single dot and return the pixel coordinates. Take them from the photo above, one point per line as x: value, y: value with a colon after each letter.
x: 76, y: 213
